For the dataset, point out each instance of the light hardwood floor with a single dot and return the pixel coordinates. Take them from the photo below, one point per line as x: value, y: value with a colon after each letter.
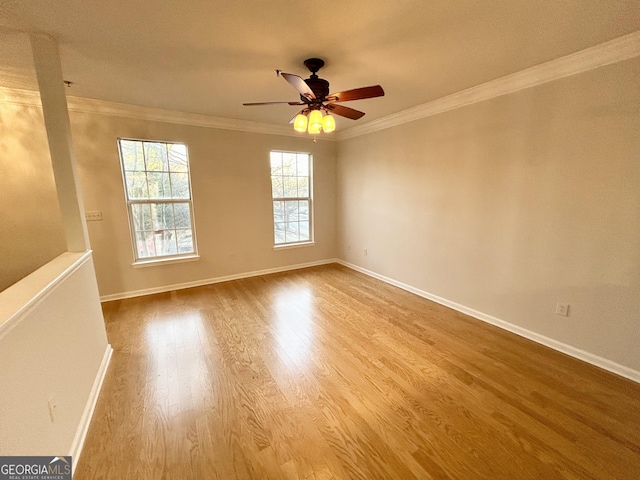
x: 325, y: 373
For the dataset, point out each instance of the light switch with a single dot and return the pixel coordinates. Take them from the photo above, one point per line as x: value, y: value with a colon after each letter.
x: 94, y: 216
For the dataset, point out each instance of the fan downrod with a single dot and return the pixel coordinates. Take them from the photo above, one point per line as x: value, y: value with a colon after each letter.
x: 314, y: 64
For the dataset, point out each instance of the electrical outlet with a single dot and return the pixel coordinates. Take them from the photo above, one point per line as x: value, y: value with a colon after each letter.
x: 365, y: 251
x: 562, y: 309
x: 94, y: 216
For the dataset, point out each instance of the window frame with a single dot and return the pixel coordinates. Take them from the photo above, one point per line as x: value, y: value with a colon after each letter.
x: 157, y: 259
x: 299, y: 243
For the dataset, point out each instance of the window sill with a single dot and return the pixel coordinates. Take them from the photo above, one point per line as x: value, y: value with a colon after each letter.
x: 293, y: 245
x: 154, y: 262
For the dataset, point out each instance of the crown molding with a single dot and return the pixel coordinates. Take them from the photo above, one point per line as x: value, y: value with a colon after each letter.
x: 102, y: 107
x: 20, y: 97
x: 89, y: 105
x: 617, y: 50
x: 614, y: 51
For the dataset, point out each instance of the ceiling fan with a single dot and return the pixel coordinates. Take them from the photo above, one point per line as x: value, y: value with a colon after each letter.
x: 318, y: 103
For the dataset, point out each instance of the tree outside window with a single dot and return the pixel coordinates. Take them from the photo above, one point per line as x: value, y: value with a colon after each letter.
x: 291, y: 194
x: 158, y: 193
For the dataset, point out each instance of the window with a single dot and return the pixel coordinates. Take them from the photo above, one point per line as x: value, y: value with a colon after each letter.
x: 158, y: 194
x: 291, y: 193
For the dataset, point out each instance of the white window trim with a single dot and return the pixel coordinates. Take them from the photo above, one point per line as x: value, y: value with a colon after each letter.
x: 160, y: 259
x: 304, y: 243
x: 286, y: 246
x: 164, y: 260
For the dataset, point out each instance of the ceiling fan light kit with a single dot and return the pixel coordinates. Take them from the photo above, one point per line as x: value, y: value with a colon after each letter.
x: 318, y: 102
x: 315, y: 121
x: 328, y: 123
x: 300, y: 123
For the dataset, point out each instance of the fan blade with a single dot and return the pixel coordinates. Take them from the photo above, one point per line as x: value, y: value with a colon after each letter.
x: 356, y: 94
x: 271, y: 103
x: 299, y: 84
x: 345, y: 111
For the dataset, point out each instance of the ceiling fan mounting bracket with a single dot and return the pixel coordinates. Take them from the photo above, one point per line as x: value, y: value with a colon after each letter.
x: 314, y: 64
x: 319, y: 86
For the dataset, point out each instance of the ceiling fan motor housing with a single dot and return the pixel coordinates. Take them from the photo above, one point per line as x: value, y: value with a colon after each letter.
x: 319, y: 86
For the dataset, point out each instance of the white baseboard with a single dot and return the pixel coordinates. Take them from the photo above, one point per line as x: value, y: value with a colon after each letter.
x: 583, y: 355
x: 210, y: 281
x: 85, y: 420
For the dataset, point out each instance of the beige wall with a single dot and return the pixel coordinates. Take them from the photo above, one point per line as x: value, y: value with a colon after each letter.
x: 31, y: 233
x: 511, y: 205
x: 52, y: 352
x: 506, y: 206
x: 232, y: 201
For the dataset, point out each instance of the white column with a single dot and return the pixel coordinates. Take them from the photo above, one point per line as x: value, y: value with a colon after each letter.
x: 46, y: 58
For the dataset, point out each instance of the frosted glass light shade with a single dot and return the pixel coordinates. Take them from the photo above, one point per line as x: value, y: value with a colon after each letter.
x: 314, y: 129
x: 315, y: 121
x: 300, y: 123
x: 328, y: 123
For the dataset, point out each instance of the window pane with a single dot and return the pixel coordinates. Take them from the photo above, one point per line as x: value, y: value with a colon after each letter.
x: 141, y: 216
x: 185, y: 241
x: 279, y: 232
x: 177, y: 157
x: 158, y: 170
x: 290, y: 180
x: 278, y: 211
x: 303, y: 186
x: 302, y: 161
x: 165, y: 241
x: 159, y: 186
x: 156, y: 156
x: 291, y: 232
x: 276, y: 163
x: 291, y: 211
x: 182, y: 215
x: 132, y: 155
x: 180, y: 185
x: 303, y: 210
x: 289, y: 164
x: 277, y: 187
x: 162, y: 216
x: 137, y: 185
x: 145, y: 244
x: 304, y: 231
x: 290, y: 187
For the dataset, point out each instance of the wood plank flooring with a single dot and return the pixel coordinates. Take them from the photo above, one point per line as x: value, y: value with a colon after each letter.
x: 325, y: 373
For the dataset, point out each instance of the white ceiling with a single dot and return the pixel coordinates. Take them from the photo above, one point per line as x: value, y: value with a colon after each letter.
x: 209, y: 56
